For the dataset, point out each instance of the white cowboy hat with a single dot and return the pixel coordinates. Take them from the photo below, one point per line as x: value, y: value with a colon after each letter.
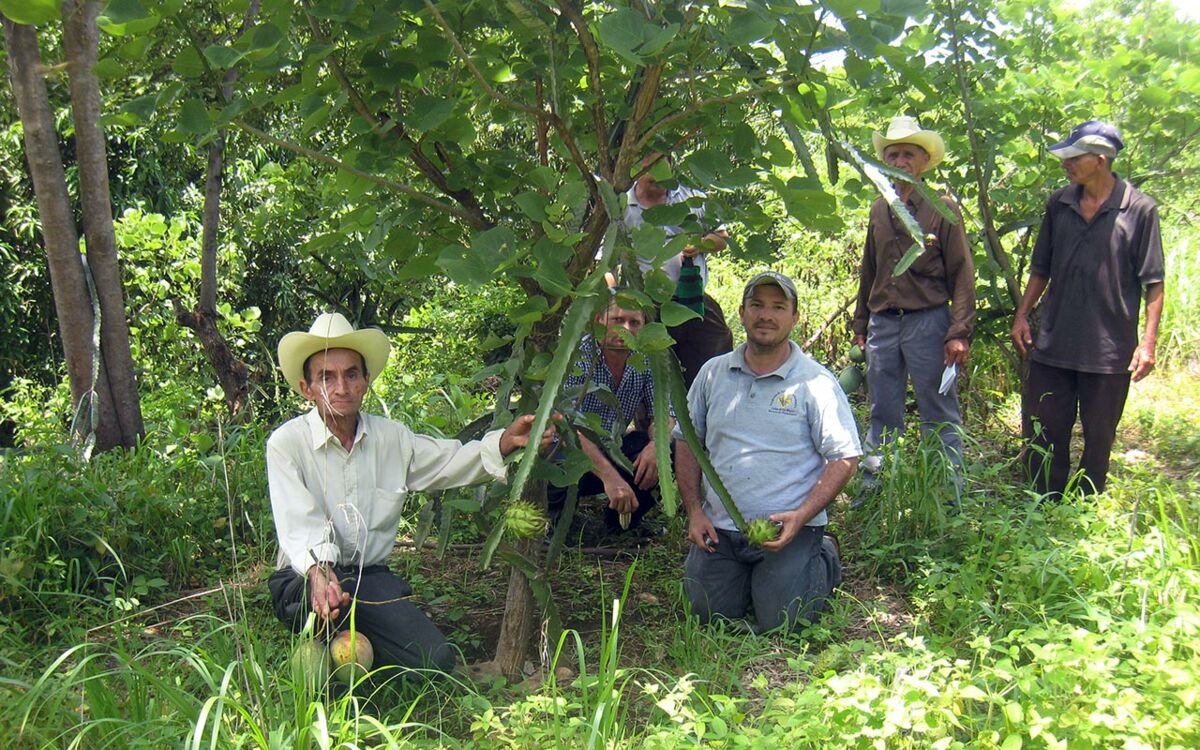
x: 905, y: 129
x: 331, y: 331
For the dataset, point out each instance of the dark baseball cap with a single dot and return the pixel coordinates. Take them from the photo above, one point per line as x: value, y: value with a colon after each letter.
x: 1092, y: 137
x: 773, y: 278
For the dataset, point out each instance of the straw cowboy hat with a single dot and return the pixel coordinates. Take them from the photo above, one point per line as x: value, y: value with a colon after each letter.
x: 904, y: 129
x: 331, y: 331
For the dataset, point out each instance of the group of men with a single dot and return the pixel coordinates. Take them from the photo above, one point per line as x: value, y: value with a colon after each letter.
x: 775, y: 425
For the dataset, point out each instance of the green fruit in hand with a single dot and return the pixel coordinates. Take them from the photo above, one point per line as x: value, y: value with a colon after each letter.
x: 760, y: 531
x: 352, y: 655
x: 524, y: 520
x: 850, y: 378
x: 857, y: 355
x: 310, y: 665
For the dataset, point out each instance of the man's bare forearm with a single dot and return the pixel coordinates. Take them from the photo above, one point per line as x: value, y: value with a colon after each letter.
x: 833, y: 479
x: 687, y: 470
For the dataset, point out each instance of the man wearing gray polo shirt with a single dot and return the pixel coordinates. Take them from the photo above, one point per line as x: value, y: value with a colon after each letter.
x: 781, y: 435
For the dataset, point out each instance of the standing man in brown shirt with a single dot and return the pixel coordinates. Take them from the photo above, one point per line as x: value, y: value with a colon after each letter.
x: 918, y: 323
x: 1098, y: 253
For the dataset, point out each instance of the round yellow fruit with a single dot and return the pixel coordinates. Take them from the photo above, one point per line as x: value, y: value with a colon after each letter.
x: 352, y: 655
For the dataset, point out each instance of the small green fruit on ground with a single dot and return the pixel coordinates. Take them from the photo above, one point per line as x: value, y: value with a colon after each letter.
x: 760, y: 531
x: 524, y: 520
x: 352, y: 655
x: 310, y: 665
x: 857, y: 355
x: 851, y: 378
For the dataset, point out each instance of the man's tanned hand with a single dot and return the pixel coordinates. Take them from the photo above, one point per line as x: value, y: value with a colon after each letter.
x: 325, y: 592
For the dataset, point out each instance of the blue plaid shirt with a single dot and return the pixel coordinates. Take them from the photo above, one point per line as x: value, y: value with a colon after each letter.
x: 636, y: 388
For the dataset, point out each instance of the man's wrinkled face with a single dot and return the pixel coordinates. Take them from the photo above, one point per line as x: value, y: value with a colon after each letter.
x: 907, y: 157
x: 1082, y: 168
x: 768, y: 316
x: 616, y: 319
x: 338, y: 382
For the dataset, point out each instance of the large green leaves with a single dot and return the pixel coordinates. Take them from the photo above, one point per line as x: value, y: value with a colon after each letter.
x: 630, y: 35
x: 31, y: 12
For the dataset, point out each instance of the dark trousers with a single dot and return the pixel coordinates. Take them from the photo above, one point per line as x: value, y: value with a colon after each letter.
x: 700, y: 339
x: 790, y: 586
x: 400, y: 633
x: 589, y: 484
x: 1052, y: 399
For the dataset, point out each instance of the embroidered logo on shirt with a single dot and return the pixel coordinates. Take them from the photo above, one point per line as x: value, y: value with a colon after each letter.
x: 784, y: 402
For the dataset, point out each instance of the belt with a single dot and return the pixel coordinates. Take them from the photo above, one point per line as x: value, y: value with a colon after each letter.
x: 901, y: 312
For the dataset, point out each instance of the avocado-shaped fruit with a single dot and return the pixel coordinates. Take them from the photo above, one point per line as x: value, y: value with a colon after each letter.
x: 850, y: 378
x: 760, y: 531
x: 310, y: 665
x: 857, y: 355
x: 352, y: 655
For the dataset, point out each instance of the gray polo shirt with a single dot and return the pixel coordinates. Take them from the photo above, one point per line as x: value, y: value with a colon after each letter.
x: 769, y: 436
x: 1097, y: 271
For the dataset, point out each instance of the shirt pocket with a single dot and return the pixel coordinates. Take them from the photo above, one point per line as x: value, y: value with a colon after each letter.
x: 383, y: 517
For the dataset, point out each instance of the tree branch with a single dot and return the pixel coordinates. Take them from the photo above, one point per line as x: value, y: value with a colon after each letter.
x: 559, y: 126
x: 728, y: 98
x: 592, y: 53
x: 398, y: 187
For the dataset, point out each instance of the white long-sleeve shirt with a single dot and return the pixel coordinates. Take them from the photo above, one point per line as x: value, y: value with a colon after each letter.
x: 343, y: 507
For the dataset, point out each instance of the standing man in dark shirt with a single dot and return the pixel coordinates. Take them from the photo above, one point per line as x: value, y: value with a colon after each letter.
x: 919, y: 323
x: 1098, y: 249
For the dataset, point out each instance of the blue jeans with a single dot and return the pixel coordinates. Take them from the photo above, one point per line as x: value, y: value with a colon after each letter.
x: 791, y: 585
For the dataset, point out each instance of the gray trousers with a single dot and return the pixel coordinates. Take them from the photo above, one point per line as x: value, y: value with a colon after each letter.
x: 399, y: 631
x: 913, y: 344
x: 790, y: 585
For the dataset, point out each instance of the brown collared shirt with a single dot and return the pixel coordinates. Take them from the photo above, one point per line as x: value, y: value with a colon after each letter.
x: 943, y: 273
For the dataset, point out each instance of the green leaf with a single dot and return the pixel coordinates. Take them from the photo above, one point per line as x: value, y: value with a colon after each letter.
x: 463, y: 267
x: 621, y: 31
x: 222, y: 57
x: 666, y: 215
x: 654, y: 338
x: 123, y: 17
x: 265, y: 37
x: 575, y: 323
x: 429, y: 112
x: 193, y: 117
x: 531, y: 310
x: 532, y: 204
x: 658, y: 285
x: 747, y: 27
x: 669, y: 492
x: 674, y: 314
x: 679, y: 399
x: 188, y: 64
x: 142, y: 107
x: 552, y: 278
x: 108, y: 69
x: 30, y: 12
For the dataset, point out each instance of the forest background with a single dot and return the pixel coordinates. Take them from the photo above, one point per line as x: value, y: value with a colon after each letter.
x: 447, y: 171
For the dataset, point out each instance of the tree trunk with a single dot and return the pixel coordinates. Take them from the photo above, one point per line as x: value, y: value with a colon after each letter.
x: 231, y: 372
x: 72, y: 301
x: 520, y: 612
x: 81, y: 44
